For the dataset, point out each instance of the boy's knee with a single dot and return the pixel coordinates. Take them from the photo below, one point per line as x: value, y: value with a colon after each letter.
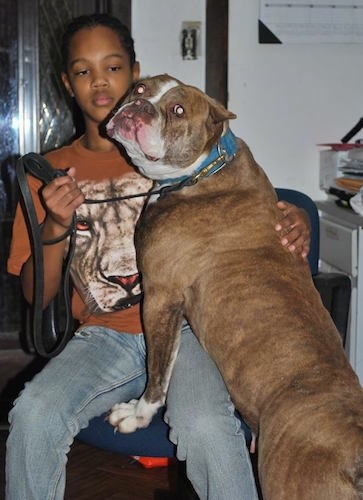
x: 30, y: 411
x: 199, y: 430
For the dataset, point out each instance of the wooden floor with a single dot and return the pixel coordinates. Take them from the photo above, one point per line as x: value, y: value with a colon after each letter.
x: 117, y: 477
x: 94, y: 474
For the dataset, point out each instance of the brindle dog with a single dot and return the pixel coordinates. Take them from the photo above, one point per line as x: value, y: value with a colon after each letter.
x: 208, y: 252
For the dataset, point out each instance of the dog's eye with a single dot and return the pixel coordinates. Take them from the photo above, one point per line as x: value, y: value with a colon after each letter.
x: 178, y: 110
x: 140, y: 89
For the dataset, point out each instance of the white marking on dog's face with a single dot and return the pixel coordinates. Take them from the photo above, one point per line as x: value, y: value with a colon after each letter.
x: 167, y: 127
x: 132, y: 129
x: 163, y: 89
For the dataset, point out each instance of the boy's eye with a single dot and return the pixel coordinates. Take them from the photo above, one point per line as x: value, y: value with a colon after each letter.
x: 115, y: 68
x: 81, y: 72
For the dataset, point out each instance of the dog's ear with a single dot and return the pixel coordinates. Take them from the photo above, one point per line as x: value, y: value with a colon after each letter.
x: 219, y: 113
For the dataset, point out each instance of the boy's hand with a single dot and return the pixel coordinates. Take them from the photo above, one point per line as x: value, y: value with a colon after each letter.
x: 294, y: 228
x: 61, y: 197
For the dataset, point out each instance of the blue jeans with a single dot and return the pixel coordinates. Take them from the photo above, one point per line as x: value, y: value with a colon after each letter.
x: 101, y: 367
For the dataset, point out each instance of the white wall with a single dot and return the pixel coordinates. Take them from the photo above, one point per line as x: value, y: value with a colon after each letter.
x: 156, y: 28
x: 288, y: 97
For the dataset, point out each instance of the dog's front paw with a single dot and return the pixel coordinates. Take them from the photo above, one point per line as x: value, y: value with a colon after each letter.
x: 126, y: 417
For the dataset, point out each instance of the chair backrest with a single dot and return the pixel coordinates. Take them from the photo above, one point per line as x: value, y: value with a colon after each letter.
x: 302, y: 200
x: 334, y: 288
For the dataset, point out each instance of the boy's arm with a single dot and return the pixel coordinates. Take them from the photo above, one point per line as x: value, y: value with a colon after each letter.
x: 60, y: 199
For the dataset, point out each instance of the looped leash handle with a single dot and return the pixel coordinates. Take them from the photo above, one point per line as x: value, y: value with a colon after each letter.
x: 47, y: 340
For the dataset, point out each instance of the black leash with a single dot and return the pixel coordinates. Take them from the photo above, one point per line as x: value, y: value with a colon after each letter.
x: 46, y: 338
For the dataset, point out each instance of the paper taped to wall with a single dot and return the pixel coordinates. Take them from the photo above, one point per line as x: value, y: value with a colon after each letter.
x: 321, y: 21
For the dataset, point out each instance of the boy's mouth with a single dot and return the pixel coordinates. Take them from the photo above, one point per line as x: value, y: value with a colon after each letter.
x: 102, y: 100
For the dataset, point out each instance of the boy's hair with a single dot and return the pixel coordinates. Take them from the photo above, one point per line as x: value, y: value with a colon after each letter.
x: 91, y: 21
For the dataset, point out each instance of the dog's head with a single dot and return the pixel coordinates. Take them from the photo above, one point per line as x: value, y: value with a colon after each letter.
x: 167, y: 127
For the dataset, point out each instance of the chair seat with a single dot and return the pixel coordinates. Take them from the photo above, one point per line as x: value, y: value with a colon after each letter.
x: 152, y: 441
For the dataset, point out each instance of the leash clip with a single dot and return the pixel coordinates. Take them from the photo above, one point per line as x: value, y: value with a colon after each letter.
x: 222, y: 152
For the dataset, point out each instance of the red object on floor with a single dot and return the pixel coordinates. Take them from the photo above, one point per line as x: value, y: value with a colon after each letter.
x: 150, y: 462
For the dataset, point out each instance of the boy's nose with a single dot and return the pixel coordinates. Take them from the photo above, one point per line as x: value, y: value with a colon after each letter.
x: 99, y: 81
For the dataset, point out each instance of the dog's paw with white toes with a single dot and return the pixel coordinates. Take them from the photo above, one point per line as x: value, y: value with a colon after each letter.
x: 136, y: 414
x: 124, y: 417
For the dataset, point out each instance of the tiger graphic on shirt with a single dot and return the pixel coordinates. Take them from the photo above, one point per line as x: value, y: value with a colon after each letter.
x: 104, y: 269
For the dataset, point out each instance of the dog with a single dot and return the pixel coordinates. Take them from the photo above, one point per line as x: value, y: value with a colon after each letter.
x: 208, y: 252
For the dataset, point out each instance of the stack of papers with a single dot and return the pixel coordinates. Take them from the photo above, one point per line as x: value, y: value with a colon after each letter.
x: 351, y: 168
x: 353, y: 165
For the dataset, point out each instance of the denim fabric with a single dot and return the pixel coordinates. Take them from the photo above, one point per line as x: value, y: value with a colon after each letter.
x: 205, y: 429
x: 100, y: 367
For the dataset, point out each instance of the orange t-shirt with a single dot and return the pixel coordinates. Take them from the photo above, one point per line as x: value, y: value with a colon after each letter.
x: 104, y: 268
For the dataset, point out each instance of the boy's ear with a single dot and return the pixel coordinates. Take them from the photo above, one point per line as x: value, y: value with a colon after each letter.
x: 66, y: 83
x: 136, y: 72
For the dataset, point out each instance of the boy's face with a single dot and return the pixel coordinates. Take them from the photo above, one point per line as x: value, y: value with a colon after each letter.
x: 98, y: 72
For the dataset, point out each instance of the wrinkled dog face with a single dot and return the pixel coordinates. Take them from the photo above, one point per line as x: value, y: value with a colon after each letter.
x: 167, y: 127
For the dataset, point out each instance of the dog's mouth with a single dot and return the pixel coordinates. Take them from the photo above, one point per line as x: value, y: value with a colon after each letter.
x: 132, y: 131
x: 151, y: 158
